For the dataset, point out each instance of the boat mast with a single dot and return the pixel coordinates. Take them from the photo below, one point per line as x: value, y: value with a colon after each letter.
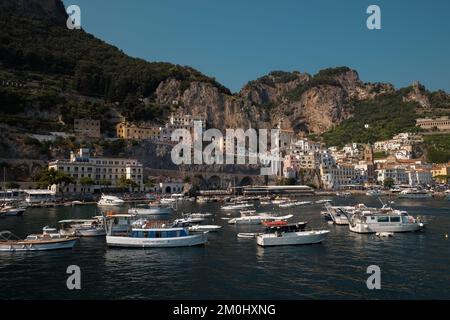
x: 4, y: 183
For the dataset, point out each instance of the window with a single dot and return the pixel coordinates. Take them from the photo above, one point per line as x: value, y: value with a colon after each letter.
x: 383, y: 219
x: 395, y: 219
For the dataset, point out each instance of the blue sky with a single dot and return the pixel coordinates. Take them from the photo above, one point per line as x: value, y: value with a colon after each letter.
x: 240, y: 40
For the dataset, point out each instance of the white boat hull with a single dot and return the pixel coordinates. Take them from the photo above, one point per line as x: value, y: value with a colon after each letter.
x: 388, y: 227
x: 12, y: 212
x: 22, y: 246
x: 129, y: 242
x: 292, y: 238
x: 151, y: 211
x: 98, y: 232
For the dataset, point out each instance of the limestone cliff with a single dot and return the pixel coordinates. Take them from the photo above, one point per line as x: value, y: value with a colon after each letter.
x: 312, y: 104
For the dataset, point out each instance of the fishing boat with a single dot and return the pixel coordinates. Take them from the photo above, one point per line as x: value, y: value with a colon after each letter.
x: 36, y: 242
x: 413, y: 193
x: 82, y: 228
x: 237, y: 206
x: 108, y: 201
x: 290, y: 234
x: 384, y: 220
x: 147, y: 235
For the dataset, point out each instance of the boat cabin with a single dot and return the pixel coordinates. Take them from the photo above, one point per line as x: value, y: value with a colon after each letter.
x: 293, y: 227
x: 159, y: 233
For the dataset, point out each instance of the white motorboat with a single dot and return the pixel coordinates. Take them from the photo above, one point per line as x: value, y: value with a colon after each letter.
x: 36, y: 242
x: 200, y: 215
x: 9, y: 211
x: 280, y: 200
x: 247, y: 235
x: 152, y: 209
x: 384, y: 220
x: 374, y: 193
x: 384, y: 234
x: 291, y: 234
x: 265, y: 202
x: 204, y: 228
x: 294, y: 204
x: 414, y: 193
x: 82, y: 228
x: 343, y: 194
x: 258, y: 219
x: 323, y: 201
x: 108, y: 201
x: 237, y: 206
x: 189, y: 220
x: 168, y: 200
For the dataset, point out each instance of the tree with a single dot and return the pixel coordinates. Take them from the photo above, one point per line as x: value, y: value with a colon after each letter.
x: 127, y: 183
x: 12, y: 185
x: 388, y: 183
x: 86, y: 181
x: 104, y: 182
x: 63, y: 180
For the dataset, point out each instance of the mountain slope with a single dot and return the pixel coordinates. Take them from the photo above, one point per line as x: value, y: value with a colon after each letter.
x: 69, y: 73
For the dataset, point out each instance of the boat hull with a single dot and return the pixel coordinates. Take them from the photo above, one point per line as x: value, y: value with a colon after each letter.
x: 97, y: 232
x: 12, y: 213
x: 367, y: 228
x: 129, y: 242
x: 151, y: 211
x: 21, y: 246
x: 292, y: 238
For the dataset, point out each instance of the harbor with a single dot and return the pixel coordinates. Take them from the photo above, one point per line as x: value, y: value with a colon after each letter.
x: 413, y: 264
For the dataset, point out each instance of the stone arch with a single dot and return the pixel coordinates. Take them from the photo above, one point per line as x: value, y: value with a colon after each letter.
x: 168, y: 189
x: 246, y: 181
x: 214, y: 182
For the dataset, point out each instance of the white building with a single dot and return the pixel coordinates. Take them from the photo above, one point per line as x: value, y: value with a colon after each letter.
x: 99, y: 169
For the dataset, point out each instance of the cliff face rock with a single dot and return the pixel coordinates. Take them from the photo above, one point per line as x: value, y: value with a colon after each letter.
x: 417, y: 94
x: 300, y: 101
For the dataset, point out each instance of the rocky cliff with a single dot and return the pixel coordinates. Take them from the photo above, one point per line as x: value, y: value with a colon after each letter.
x: 312, y: 104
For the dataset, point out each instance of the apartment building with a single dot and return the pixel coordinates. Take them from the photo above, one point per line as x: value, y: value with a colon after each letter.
x: 143, y: 131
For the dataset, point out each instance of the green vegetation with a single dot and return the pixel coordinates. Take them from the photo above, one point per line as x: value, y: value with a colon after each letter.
x: 388, y: 183
x: 379, y: 155
x: 437, y: 148
x: 56, y: 67
x: 386, y: 115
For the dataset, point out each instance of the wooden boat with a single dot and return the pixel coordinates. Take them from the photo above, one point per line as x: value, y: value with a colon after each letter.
x: 9, y: 242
